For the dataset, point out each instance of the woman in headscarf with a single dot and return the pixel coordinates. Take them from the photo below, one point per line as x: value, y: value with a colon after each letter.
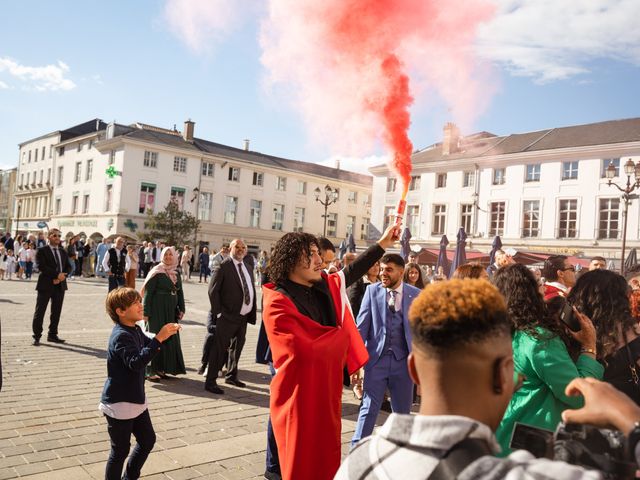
x: 163, y: 300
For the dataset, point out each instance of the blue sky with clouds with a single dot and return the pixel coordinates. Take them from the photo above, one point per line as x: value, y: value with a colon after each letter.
x: 61, y: 63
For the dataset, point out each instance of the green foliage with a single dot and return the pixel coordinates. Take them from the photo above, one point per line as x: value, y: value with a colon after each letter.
x: 173, y: 226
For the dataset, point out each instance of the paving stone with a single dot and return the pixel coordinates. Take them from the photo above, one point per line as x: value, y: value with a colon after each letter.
x: 183, y: 474
x: 31, y: 468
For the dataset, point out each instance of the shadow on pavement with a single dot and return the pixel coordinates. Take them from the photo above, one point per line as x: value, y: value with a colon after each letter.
x: 6, y: 300
x: 73, y: 347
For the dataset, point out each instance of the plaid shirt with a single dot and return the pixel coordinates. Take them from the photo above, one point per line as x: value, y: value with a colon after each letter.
x: 409, y: 447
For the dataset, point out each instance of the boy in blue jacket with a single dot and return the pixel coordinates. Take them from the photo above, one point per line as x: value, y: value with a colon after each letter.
x: 123, y: 402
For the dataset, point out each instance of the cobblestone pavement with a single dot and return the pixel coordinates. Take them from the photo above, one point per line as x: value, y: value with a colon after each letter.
x: 50, y: 426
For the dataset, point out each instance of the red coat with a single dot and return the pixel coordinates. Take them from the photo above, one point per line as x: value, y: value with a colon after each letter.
x: 551, y: 291
x: 306, y: 391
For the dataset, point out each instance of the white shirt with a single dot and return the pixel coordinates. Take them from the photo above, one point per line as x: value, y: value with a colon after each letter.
x: 245, y: 308
x: 123, y: 410
x: 105, y: 261
x: 398, y: 290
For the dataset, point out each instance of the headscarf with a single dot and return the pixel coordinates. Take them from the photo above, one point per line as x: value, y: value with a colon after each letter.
x: 169, y: 269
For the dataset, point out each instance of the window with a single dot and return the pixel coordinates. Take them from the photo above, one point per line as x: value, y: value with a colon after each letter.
x: 204, y: 206
x: 439, y: 219
x: 497, y: 214
x: 28, y: 177
x: 112, y: 157
x: 108, y: 200
x: 257, y: 178
x: 85, y: 203
x: 332, y: 224
x: 41, y: 177
x: 61, y: 151
x: 569, y: 170
x: 90, y: 144
x: 230, y: 208
x: 58, y: 205
x: 352, y: 197
x: 43, y: 152
x: 499, y: 175
x: 364, y: 229
x: 60, y: 175
x: 29, y: 160
x: 78, y: 172
x: 533, y: 173
x: 35, y: 158
x: 147, y: 197
x: 79, y: 146
x: 151, y: 159
x: 468, y: 179
x: 281, y: 184
x: 391, y: 184
x: 234, y: 174
x: 278, y: 216
x: 50, y: 151
x: 609, y: 218
x: 568, y: 219
x: 255, y: 210
x: 413, y: 219
x: 466, y: 212
x: 177, y: 195
x: 49, y: 176
x: 606, y: 162
x: 530, y: 218
x: 389, y: 213
x: 89, y: 172
x: 414, y: 183
x: 441, y: 180
x: 207, y: 169
x: 351, y: 224
x: 22, y: 179
x: 298, y: 219
x: 180, y: 164
x: 302, y: 187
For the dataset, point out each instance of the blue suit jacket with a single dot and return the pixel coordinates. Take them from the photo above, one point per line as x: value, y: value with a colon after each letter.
x: 372, y: 319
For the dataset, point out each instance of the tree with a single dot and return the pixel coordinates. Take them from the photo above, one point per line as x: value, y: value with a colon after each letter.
x: 173, y: 226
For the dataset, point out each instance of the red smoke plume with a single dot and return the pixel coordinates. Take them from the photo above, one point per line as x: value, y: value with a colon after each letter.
x: 347, y: 63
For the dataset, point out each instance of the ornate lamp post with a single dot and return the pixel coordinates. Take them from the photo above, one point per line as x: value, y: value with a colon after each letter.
x: 630, y: 169
x: 330, y: 197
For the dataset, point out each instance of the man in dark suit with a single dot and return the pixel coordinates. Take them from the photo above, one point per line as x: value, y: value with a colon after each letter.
x: 233, y: 305
x: 54, y: 267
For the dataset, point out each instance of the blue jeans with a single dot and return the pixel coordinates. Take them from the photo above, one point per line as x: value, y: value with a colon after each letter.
x: 115, y: 281
x: 273, y: 461
x: 120, y: 434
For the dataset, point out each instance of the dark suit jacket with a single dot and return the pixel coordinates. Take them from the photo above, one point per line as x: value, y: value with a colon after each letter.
x: 225, y: 293
x: 48, y: 268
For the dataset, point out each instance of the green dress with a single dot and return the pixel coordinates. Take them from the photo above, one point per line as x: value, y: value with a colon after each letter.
x: 549, y: 369
x: 161, y: 297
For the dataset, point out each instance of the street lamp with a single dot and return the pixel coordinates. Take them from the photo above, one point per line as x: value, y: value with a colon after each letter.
x: 18, y: 218
x: 330, y: 197
x: 630, y: 169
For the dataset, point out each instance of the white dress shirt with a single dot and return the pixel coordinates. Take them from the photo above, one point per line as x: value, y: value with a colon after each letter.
x: 398, y: 289
x: 245, y: 308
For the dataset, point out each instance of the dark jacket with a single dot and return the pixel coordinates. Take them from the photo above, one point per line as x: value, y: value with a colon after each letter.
x: 49, y: 269
x: 129, y: 352
x: 117, y: 265
x: 226, y: 295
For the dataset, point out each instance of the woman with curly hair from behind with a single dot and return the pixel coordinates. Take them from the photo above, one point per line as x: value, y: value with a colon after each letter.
x: 541, y: 354
x: 603, y: 296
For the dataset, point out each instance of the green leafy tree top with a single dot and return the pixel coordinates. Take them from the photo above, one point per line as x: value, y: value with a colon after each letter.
x: 172, y: 225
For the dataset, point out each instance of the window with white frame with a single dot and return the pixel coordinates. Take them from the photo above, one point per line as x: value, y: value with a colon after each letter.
x: 278, y: 216
x: 530, y: 218
x: 364, y: 229
x: 533, y: 173
x: 391, y: 184
x: 298, y: 219
x: 499, y: 176
x: 28, y: 177
x: 180, y: 164
x: 108, y: 198
x: 35, y: 159
x: 29, y: 159
x: 389, y: 216
x: 568, y: 218
x: 44, y: 149
x: 610, y: 161
x: 40, y: 178
x: 609, y: 218
x: 151, y: 159
x: 230, y: 209
x: 177, y: 195
x: 234, y: 174
x: 58, y: 205
x: 496, y: 218
x: 60, y: 175
x: 147, y: 197
x: 332, y: 224
x: 255, y: 210
x: 85, y: 203
x: 439, y: 219
x: 351, y: 224
x: 78, y: 172
x: 352, y: 197
x: 204, y: 206
x: 80, y: 146
x: 466, y: 214
x: 74, y: 204
x: 50, y: 151
x: 413, y: 219
x: 414, y: 183
x: 302, y: 187
x: 89, y: 172
x: 441, y: 180
x: 468, y: 178
x: 281, y: 184
x: 49, y: 176
x: 208, y: 169
x: 569, y: 170
x: 258, y: 178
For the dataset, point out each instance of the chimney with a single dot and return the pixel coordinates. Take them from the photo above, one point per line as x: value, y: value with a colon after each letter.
x: 187, y: 133
x: 451, y: 139
x: 337, y: 164
x: 246, y: 144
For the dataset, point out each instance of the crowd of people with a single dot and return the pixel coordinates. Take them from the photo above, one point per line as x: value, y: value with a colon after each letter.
x: 484, y: 352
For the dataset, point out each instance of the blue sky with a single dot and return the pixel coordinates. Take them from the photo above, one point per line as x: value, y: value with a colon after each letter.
x: 121, y: 61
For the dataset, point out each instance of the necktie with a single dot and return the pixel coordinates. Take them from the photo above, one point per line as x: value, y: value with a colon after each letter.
x: 392, y: 300
x: 245, y: 287
x: 56, y: 255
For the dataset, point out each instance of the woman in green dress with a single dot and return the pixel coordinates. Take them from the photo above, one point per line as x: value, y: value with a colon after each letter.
x: 545, y: 352
x: 164, y: 303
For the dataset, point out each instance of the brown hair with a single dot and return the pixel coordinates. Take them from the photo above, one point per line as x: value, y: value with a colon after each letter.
x: 121, y: 298
x: 468, y: 270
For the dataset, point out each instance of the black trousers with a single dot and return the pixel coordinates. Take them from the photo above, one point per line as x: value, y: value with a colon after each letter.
x: 225, y: 333
x: 56, y: 295
x: 120, y: 434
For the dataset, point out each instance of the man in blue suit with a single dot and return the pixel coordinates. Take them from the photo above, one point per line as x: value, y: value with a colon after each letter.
x: 384, y: 326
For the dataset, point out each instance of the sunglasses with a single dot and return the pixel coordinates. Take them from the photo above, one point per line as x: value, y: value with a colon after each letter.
x: 571, y: 269
x: 55, y: 235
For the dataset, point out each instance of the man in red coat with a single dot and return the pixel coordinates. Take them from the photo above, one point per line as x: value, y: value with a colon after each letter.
x: 312, y: 335
x: 559, y: 276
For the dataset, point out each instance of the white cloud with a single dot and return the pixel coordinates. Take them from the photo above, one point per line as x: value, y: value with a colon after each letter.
x: 3, y: 86
x: 46, y: 78
x: 355, y: 164
x: 558, y: 39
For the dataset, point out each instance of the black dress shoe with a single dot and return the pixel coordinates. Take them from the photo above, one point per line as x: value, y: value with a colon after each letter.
x: 235, y: 382
x: 214, y: 389
x: 36, y: 342
x: 55, y: 339
x: 272, y: 475
x: 201, y: 369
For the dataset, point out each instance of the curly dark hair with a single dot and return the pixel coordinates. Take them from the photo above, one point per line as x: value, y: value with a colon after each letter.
x: 287, y: 253
x: 405, y: 278
x: 602, y: 295
x: 525, y: 306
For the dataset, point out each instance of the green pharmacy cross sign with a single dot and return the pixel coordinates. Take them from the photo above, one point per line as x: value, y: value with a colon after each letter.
x: 131, y: 225
x: 112, y: 172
